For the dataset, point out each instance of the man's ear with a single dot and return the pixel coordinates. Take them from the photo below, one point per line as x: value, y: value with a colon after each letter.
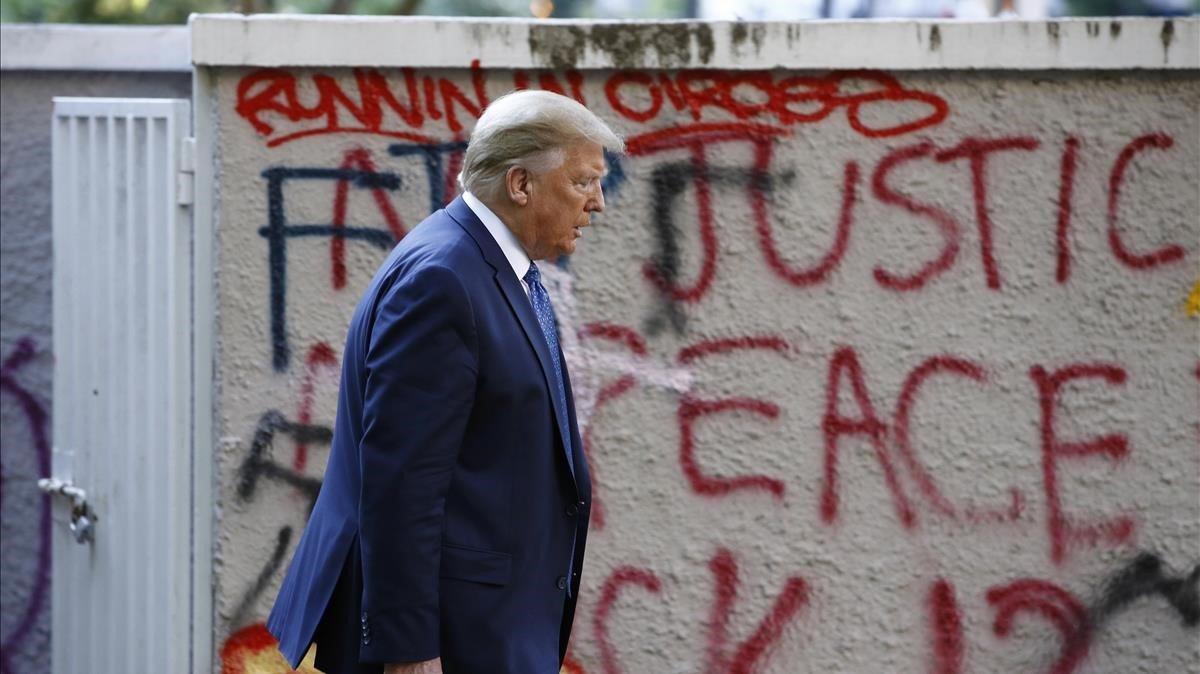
x: 516, y: 182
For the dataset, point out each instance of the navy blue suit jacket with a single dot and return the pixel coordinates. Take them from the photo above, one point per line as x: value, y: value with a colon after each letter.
x: 453, y: 493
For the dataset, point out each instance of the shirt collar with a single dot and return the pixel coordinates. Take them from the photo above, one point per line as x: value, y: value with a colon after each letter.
x: 501, y: 233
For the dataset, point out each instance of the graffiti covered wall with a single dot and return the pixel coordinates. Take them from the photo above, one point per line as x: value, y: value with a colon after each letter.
x: 878, y: 371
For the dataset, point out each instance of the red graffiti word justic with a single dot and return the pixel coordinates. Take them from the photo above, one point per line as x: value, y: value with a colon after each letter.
x: 1066, y: 188
x: 701, y: 139
x: 1116, y: 179
x: 697, y: 139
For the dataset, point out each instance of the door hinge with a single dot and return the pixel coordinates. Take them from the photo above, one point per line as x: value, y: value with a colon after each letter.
x: 185, y: 181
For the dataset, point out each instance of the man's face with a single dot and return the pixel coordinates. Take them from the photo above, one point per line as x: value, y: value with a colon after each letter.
x: 563, y: 199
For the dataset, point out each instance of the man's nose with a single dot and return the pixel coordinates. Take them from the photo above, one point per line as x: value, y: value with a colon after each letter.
x: 598, y: 200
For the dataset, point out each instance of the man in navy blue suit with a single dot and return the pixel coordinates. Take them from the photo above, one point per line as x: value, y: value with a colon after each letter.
x: 450, y: 528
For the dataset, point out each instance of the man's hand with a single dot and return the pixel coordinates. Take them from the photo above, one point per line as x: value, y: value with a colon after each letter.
x: 433, y: 666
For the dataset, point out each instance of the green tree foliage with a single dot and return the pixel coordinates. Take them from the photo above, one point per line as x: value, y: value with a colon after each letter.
x: 106, y: 11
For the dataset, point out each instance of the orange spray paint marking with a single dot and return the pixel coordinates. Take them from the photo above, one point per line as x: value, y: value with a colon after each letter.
x: 252, y: 650
x: 1193, y: 301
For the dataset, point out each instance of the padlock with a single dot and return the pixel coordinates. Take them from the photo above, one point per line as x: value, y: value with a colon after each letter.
x: 81, y: 526
x: 83, y: 518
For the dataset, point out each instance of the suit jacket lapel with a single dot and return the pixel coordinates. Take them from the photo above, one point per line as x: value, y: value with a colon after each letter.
x: 518, y: 301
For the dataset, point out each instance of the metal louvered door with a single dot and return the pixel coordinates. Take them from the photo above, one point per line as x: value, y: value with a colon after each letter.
x: 122, y: 488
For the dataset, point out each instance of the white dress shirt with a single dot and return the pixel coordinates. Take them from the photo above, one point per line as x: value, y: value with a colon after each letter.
x: 512, y: 249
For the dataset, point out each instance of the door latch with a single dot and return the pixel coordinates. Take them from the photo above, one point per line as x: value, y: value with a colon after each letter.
x: 83, y: 518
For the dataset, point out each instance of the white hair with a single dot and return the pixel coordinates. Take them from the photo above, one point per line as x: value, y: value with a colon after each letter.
x: 529, y: 129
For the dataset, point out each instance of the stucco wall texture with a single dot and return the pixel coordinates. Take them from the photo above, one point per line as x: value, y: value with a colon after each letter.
x: 25, y: 340
x: 878, y: 372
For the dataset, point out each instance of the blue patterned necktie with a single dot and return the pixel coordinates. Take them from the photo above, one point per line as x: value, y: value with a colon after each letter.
x: 545, y: 317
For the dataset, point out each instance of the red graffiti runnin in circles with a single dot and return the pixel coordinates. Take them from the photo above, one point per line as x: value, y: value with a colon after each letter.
x: 269, y: 97
x: 790, y: 101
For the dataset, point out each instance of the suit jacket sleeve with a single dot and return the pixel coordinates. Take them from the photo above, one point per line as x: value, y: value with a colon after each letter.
x: 419, y: 389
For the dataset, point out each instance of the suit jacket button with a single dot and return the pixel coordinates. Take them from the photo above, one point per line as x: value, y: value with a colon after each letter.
x: 562, y: 582
x: 571, y: 510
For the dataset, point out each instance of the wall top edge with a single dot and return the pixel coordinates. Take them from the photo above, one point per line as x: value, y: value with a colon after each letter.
x: 94, y: 48
x: 933, y: 44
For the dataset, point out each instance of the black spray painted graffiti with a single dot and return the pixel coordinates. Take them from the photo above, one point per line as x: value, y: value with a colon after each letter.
x: 669, y: 182
x: 278, y: 231
x: 440, y: 161
x: 1144, y: 577
x: 439, y: 182
x: 259, y: 464
x: 441, y: 175
x: 1141, y: 577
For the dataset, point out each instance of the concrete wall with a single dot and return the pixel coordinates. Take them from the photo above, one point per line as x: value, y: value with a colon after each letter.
x: 878, y: 371
x: 39, y: 64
